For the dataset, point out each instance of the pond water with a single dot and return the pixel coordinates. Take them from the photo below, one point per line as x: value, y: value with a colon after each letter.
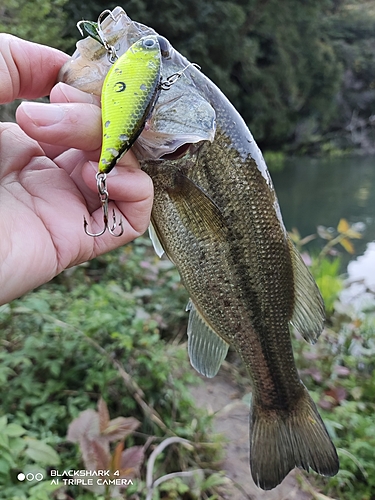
x: 314, y: 192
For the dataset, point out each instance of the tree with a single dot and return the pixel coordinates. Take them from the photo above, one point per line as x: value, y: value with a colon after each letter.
x: 42, y: 21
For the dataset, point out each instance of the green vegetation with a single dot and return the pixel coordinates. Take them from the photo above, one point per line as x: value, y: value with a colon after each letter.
x: 42, y: 21
x: 303, y: 76
x: 90, y: 334
x: 339, y: 372
x: 326, y: 271
x: 110, y: 331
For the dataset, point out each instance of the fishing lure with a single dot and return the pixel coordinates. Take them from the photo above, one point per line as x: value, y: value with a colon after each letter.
x: 129, y: 93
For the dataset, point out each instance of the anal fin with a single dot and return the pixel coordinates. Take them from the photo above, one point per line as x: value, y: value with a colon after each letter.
x: 206, y: 349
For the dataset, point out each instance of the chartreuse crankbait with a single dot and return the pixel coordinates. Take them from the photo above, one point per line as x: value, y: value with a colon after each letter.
x: 129, y: 93
x: 130, y: 90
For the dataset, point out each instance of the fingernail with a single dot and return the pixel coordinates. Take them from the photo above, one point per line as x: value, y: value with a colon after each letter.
x: 43, y: 115
x: 72, y: 94
x: 114, y: 171
x: 94, y: 165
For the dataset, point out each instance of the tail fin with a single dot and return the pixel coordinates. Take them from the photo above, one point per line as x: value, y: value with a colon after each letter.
x: 281, y: 441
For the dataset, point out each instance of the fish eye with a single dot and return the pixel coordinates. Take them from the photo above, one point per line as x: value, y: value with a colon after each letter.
x: 149, y: 43
x: 164, y: 46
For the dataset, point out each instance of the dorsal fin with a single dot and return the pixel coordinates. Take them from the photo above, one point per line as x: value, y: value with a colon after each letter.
x: 308, y: 315
x: 206, y: 349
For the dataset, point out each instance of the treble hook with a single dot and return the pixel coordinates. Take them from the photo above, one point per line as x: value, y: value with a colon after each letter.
x: 111, y: 51
x: 172, y: 79
x: 101, y: 183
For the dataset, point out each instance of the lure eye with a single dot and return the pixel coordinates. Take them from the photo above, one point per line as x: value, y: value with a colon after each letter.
x: 149, y: 43
x: 164, y: 46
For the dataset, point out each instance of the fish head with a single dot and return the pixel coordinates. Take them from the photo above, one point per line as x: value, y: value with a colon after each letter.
x: 181, y: 117
x: 89, y: 65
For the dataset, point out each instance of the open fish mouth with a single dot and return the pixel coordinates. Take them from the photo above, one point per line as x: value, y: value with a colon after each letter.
x: 179, y: 153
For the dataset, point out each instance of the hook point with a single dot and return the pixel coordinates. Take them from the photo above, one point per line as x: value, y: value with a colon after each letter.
x: 114, y: 225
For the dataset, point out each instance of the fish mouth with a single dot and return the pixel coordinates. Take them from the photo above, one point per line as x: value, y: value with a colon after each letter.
x: 180, y: 152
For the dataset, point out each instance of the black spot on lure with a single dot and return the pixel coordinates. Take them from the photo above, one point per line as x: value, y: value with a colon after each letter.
x: 129, y: 93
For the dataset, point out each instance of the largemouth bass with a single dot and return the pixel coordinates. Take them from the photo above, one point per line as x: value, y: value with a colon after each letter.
x: 216, y: 216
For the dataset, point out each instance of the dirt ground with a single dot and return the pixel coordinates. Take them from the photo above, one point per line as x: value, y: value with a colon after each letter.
x: 221, y: 396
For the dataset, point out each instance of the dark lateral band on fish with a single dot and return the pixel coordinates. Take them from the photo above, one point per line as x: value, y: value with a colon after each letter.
x: 217, y: 217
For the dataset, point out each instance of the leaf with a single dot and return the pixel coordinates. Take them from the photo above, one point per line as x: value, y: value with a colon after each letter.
x: 343, y: 226
x: 216, y: 479
x: 5, y: 466
x: 103, y: 415
x: 131, y: 461
x: 15, y: 430
x: 43, y: 488
x: 91, y: 29
x: 294, y: 235
x: 85, y: 425
x: 306, y: 258
x: 116, y: 458
x: 3, y: 421
x: 351, y: 233
x: 41, y: 452
x: 6, y: 455
x: 95, y: 454
x: 324, y: 233
x: 357, y: 393
x: 342, y: 371
x: 4, y: 441
x: 119, y: 428
x: 347, y: 244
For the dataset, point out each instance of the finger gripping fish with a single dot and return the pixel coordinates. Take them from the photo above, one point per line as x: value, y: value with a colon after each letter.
x: 129, y: 92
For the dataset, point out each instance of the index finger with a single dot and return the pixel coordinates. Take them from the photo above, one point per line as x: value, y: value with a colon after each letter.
x: 27, y: 70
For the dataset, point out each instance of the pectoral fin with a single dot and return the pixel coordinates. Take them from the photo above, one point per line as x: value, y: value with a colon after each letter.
x: 158, y: 247
x: 206, y: 349
x: 308, y: 316
x: 197, y: 211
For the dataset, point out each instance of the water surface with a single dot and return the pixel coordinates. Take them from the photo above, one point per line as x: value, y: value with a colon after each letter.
x: 314, y: 192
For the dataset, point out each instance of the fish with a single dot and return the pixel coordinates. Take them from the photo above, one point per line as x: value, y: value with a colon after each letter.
x: 217, y: 218
x: 130, y: 89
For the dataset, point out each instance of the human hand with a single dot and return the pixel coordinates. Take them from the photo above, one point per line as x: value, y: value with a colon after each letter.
x: 47, y: 174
